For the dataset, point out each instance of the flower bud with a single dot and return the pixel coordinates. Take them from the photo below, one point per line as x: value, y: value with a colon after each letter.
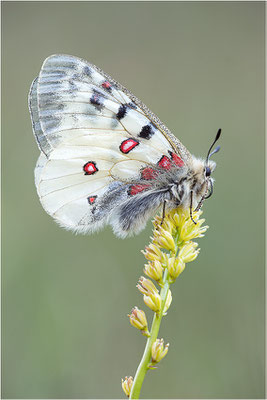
x: 154, y: 270
x: 168, y: 302
x: 152, y: 252
x: 153, y: 301
x: 146, y: 286
x: 167, y: 225
x: 170, y: 262
x: 138, y: 319
x: 165, y: 240
x: 127, y: 384
x: 190, y: 231
x: 164, y: 259
x: 188, y: 252
x: 151, y: 294
x: 175, y: 267
x: 158, y: 351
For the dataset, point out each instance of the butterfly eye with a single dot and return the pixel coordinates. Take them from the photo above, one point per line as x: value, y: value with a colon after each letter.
x: 207, y: 171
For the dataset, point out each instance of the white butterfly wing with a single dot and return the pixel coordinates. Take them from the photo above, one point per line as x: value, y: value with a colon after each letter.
x: 95, y: 137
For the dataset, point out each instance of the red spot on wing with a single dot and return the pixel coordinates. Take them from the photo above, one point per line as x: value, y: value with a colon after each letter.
x: 134, y: 189
x: 91, y: 199
x: 127, y: 145
x: 149, y: 173
x: 165, y: 162
x: 106, y: 85
x: 177, y: 160
x: 90, y: 168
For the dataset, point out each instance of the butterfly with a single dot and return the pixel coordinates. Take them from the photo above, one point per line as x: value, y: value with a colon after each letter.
x: 106, y: 159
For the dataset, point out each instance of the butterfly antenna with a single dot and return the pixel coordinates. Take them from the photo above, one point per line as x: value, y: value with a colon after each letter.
x: 216, y: 149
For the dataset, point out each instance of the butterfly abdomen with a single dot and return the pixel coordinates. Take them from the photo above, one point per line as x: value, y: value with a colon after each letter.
x: 131, y: 217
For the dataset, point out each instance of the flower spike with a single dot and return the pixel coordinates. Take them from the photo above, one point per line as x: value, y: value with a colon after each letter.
x: 171, y: 248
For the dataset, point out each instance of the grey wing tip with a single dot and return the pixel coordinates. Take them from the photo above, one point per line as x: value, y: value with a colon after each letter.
x: 40, y: 137
x: 60, y: 56
x: 30, y: 95
x: 64, y: 58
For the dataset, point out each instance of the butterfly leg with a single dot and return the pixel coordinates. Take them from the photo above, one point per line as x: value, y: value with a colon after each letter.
x: 191, y: 206
x: 163, y: 211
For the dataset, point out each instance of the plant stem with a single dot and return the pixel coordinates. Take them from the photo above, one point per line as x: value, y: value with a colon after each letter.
x: 146, y: 359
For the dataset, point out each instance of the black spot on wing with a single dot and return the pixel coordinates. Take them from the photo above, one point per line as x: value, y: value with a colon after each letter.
x: 132, y: 105
x: 87, y: 71
x: 91, y: 199
x: 147, y: 131
x: 97, y: 100
x: 122, y: 111
x: 72, y: 86
x: 77, y: 77
x: 60, y: 106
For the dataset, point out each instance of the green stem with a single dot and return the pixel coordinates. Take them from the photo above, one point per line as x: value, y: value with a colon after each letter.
x: 146, y: 359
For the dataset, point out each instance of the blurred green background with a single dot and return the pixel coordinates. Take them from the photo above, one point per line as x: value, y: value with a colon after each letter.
x: 65, y: 298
